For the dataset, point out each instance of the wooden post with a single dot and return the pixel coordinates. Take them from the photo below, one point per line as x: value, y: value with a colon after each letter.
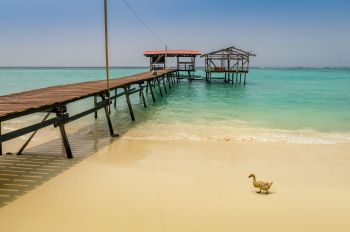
x: 245, y: 75
x: 169, y: 82
x: 126, y: 90
x: 95, y: 102
x: 151, y: 89
x: 109, y: 101
x: 106, y: 53
x: 31, y: 136
x: 64, y: 137
x: 147, y: 88
x: 115, y: 100
x: 165, y: 90
x: 0, y: 142
x: 142, y: 96
x: 177, y: 63
x: 160, y: 88
x: 110, y: 126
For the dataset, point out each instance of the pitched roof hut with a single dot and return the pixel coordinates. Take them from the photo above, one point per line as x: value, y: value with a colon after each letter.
x: 186, y: 59
x: 231, y: 61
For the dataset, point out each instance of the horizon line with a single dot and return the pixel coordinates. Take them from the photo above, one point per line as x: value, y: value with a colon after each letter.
x: 199, y: 67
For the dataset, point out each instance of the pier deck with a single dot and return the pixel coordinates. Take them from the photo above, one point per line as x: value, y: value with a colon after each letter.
x: 54, y: 100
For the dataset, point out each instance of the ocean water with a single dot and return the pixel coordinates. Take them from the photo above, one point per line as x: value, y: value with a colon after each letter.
x: 288, y: 100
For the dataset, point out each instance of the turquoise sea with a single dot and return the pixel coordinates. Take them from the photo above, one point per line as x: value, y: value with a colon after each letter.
x: 292, y: 99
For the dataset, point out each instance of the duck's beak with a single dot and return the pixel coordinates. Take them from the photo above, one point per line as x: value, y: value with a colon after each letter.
x: 250, y: 176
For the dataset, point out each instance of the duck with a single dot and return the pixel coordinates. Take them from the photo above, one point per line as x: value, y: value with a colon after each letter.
x: 260, y: 184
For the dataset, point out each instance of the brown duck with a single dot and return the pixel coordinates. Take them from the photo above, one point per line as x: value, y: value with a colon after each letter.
x: 260, y: 184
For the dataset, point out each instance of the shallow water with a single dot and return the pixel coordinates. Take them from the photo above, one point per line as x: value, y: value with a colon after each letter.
x: 298, y: 101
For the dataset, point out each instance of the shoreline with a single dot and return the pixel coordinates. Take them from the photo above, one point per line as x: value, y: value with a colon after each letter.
x: 226, y: 131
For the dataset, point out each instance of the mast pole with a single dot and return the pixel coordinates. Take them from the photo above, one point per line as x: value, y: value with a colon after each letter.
x: 106, y: 47
x: 166, y: 56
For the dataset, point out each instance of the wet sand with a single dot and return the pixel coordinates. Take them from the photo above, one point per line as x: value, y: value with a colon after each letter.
x: 152, y: 185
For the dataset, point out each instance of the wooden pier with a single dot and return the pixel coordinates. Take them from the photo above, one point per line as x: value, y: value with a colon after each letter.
x: 54, y: 100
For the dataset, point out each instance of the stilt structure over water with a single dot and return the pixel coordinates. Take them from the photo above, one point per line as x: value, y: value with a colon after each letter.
x: 185, y: 60
x: 54, y: 100
x: 231, y: 61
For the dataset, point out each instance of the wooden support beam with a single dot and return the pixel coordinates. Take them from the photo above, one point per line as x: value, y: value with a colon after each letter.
x: 60, y: 124
x: 164, y: 85
x: 95, y: 103
x: 142, y: 95
x: 0, y: 142
x: 168, y: 80
x: 147, y: 87
x: 31, y: 136
x: 65, y: 141
x: 151, y: 89
x: 110, y: 126
x: 126, y: 90
x: 32, y: 128
x: 115, y: 99
x: 159, y: 86
x: 108, y: 96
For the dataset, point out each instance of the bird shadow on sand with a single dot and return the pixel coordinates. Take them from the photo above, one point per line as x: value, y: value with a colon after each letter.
x: 263, y: 193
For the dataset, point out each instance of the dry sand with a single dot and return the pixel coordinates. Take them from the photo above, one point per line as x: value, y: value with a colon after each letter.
x: 150, y: 185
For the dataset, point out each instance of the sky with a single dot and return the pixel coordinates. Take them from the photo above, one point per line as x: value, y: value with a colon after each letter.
x: 70, y: 32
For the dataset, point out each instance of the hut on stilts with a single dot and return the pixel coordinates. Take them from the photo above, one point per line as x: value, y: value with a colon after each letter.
x: 231, y: 61
x: 185, y: 60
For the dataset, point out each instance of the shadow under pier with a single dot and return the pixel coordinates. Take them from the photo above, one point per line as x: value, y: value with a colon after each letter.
x: 39, y: 164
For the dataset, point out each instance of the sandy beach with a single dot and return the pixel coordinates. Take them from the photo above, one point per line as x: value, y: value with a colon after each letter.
x: 188, y: 185
x: 152, y: 116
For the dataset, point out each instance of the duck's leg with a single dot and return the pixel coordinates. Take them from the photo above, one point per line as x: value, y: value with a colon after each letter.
x: 259, y: 191
x: 267, y: 191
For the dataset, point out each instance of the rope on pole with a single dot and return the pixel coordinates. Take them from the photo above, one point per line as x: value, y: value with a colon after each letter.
x: 143, y: 22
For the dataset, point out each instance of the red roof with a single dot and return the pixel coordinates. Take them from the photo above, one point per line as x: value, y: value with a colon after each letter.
x: 172, y: 52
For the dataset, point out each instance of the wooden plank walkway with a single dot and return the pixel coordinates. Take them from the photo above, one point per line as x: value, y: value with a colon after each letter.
x: 55, y: 99
x: 18, y: 104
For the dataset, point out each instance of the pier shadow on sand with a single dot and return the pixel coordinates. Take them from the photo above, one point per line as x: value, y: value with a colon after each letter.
x: 38, y: 164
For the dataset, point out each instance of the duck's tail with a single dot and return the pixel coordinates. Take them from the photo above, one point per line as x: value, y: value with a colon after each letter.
x: 270, y: 184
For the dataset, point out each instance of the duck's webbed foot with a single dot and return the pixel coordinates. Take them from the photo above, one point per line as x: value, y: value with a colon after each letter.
x: 267, y: 191
x: 259, y: 191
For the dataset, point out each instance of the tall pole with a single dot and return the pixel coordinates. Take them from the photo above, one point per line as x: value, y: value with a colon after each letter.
x: 106, y: 47
x: 166, y: 56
